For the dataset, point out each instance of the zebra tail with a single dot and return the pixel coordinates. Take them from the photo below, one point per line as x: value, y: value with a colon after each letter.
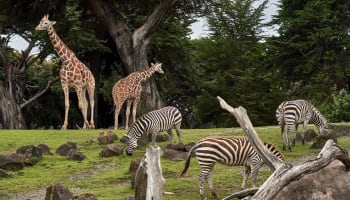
x: 187, y: 163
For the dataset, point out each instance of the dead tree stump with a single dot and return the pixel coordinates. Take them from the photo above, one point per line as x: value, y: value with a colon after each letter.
x: 149, y: 181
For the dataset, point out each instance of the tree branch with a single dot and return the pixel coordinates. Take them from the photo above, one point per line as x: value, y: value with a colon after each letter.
x: 40, y: 93
x: 243, y: 120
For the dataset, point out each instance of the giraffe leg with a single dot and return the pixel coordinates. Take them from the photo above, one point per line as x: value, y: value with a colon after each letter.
x: 118, y: 105
x: 66, y: 106
x: 134, y: 108
x: 91, y: 92
x: 127, y: 113
x: 82, y: 105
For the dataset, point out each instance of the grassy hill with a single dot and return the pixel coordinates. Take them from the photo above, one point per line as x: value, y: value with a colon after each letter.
x: 108, y: 178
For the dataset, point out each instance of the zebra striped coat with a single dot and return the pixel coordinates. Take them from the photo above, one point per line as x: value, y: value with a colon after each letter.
x: 154, y: 122
x: 297, y: 112
x: 228, y: 150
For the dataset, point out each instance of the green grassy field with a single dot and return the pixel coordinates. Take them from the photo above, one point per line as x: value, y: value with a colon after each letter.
x: 108, y: 178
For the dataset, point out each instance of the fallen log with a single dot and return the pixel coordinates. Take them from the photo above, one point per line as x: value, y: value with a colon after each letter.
x: 284, y: 173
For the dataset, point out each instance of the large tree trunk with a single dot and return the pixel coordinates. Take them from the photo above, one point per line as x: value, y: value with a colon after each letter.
x: 132, y: 47
x: 11, y: 116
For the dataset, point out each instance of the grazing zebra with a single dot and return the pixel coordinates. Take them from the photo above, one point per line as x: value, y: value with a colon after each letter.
x: 229, y: 150
x: 297, y: 112
x: 154, y: 122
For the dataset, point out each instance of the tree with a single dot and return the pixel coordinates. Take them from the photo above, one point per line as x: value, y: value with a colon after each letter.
x: 312, y: 47
x: 231, y: 64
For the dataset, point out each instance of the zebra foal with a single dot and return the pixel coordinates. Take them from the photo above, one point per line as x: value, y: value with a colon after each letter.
x: 228, y: 150
x: 154, y: 122
x: 296, y: 112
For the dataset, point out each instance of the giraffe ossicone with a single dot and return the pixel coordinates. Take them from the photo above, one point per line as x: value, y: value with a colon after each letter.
x: 129, y: 89
x: 73, y: 73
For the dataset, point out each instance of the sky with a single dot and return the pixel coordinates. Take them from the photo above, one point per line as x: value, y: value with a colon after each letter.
x: 199, y: 28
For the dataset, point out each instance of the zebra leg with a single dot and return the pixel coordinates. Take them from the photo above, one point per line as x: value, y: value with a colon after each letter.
x: 178, y: 133
x: 171, y: 136
x: 255, y: 170
x: 303, y: 132
x: 245, y: 176
x: 211, y: 185
x: 295, y: 133
x: 154, y: 138
x: 287, y: 137
x: 201, y: 186
x: 283, y: 140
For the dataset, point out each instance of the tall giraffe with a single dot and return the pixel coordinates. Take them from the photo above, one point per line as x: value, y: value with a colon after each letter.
x: 73, y: 73
x: 129, y: 89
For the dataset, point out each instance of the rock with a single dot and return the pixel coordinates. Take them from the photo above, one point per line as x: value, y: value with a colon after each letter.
x: 4, y: 174
x: 45, y: 149
x: 74, y: 154
x: 86, y: 196
x: 134, y: 165
x: 178, y: 147
x: 57, y: 192
x: 31, y: 153
x: 111, y: 150
x: 175, y: 155
x: 65, y: 148
x: 321, y: 140
x: 331, y: 183
x: 14, y: 161
x: 106, y: 137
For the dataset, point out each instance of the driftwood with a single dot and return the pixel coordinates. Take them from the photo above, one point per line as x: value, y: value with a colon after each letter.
x: 284, y: 173
x: 149, y: 181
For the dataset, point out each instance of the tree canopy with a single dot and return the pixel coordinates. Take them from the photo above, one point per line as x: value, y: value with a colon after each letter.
x: 308, y: 59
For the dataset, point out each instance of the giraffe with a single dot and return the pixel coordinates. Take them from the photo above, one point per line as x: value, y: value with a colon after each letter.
x: 73, y: 73
x: 129, y: 89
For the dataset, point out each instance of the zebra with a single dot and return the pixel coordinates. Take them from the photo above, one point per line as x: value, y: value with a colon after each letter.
x: 154, y: 122
x: 296, y: 112
x: 229, y: 150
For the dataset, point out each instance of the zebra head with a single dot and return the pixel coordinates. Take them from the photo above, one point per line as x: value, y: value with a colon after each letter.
x: 131, y: 144
x: 327, y: 128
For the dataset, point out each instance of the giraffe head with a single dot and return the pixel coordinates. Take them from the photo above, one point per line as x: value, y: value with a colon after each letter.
x: 44, y: 24
x: 157, y: 67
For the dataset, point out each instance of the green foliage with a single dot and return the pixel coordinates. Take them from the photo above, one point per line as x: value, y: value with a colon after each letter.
x: 312, y: 47
x: 337, y: 106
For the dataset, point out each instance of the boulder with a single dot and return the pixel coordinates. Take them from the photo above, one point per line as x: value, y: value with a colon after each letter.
x: 44, y: 149
x: 57, y: 192
x: 111, y: 150
x: 134, y: 165
x: 106, y: 137
x: 175, y: 155
x: 331, y: 183
x: 74, y: 154
x: 65, y: 148
x: 14, y: 161
x: 32, y: 153
x: 86, y: 196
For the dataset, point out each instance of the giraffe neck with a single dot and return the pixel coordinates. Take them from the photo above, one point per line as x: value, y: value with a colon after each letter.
x: 62, y: 50
x: 147, y: 73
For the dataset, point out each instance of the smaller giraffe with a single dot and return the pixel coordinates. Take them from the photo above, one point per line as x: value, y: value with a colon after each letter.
x: 73, y: 73
x: 129, y: 89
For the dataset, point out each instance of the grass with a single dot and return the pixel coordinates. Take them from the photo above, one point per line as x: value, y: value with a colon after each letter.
x: 108, y: 178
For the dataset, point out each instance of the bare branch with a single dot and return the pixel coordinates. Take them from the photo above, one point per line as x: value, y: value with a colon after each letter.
x: 242, y: 118
x: 40, y: 93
